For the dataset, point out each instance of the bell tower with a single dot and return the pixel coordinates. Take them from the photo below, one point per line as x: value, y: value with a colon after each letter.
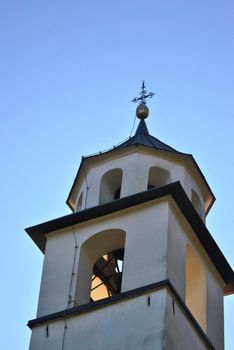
x: 133, y: 266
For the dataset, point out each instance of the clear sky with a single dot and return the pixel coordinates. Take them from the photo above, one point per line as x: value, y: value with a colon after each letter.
x: 68, y: 72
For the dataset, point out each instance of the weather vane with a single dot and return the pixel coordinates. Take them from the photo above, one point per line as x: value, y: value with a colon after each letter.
x: 142, y: 110
x: 143, y: 95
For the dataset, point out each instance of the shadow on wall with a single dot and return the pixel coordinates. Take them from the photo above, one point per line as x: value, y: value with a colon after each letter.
x: 110, y: 187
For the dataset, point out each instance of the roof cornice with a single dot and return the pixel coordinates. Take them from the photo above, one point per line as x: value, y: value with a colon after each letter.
x: 188, y: 158
x: 175, y: 190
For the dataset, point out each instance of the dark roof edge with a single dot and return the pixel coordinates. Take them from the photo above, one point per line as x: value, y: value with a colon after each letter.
x: 190, y: 156
x: 97, y: 211
x: 133, y: 293
x: 98, y: 303
x: 37, y: 233
x: 118, y: 147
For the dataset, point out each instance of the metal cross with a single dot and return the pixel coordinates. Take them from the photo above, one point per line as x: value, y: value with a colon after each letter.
x: 143, y: 95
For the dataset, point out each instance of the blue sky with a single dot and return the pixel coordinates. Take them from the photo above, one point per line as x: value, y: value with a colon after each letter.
x: 69, y: 70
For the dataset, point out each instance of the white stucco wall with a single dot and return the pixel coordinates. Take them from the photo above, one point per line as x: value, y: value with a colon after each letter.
x: 180, y: 333
x: 128, y: 324
x: 155, y: 249
x: 144, y: 260
x: 56, y: 273
x: 215, y: 308
x: 180, y: 235
x: 135, y: 166
x: 156, y: 236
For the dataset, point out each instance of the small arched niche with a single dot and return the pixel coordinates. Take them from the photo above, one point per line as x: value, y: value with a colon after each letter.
x: 195, y: 288
x: 195, y: 199
x: 100, y: 266
x: 80, y: 201
x: 110, y: 187
x: 158, y: 177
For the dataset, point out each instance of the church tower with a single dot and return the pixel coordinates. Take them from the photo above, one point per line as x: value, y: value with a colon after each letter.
x: 134, y: 266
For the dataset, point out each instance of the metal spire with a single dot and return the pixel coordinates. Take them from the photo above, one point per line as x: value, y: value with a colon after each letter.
x: 142, y: 110
x: 143, y: 95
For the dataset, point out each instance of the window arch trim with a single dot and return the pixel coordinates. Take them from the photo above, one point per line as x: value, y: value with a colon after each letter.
x: 94, y: 248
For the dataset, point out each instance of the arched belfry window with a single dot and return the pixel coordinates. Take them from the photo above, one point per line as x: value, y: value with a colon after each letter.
x: 100, y: 266
x: 110, y: 187
x: 195, y: 288
x: 196, y: 202
x: 107, y: 275
x: 158, y: 177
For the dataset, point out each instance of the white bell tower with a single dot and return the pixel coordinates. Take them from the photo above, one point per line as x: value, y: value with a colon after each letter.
x: 134, y: 266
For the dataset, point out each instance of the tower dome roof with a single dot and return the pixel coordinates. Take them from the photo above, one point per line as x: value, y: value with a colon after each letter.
x: 142, y: 141
x: 142, y: 137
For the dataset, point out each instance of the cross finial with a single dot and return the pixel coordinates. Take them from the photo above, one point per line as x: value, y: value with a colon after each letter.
x: 143, y: 95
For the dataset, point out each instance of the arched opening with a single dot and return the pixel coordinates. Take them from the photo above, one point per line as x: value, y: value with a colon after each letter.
x: 100, y: 266
x: 196, y: 202
x: 158, y: 177
x: 79, y: 203
x: 195, y: 289
x: 117, y: 193
x: 110, y: 187
x: 107, y: 275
